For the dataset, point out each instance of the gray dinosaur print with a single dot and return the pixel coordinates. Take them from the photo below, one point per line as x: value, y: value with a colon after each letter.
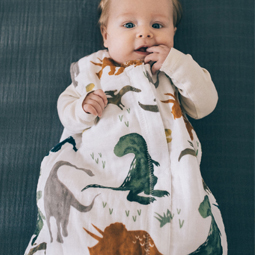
x: 212, y: 245
x: 58, y: 200
x: 74, y: 71
x: 147, y: 75
x: 141, y: 176
x: 116, y: 97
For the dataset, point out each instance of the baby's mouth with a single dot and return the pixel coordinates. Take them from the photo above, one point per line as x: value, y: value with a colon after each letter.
x: 142, y: 49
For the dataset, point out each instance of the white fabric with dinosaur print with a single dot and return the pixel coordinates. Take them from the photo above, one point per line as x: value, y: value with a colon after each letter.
x: 130, y: 182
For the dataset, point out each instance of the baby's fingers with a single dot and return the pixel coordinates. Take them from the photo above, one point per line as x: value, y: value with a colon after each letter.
x: 88, y: 108
x: 95, y: 103
x: 94, y: 107
x: 155, y: 67
x: 102, y: 95
x: 161, y: 49
x: 153, y: 60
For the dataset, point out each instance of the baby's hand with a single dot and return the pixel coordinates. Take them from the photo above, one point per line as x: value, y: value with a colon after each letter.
x: 95, y: 102
x: 157, y: 56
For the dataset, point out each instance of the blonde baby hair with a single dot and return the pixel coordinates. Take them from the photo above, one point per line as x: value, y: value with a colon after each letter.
x: 104, y: 11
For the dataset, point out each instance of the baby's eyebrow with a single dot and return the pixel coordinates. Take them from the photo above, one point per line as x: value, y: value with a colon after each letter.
x: 154, y: 16
x: 160, y: 16
x: 124, y: 15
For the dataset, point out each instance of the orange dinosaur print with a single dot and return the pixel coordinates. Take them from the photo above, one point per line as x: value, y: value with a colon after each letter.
x: 118, y: 240
x: 177, y: 112
x: 112, y: 64
x: 176, y: 108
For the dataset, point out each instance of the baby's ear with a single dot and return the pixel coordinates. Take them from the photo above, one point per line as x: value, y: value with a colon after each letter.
x: 104, y: 34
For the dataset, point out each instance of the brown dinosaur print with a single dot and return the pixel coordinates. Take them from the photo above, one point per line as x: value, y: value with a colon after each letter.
x: 118, y: 240
x: 115, y: 97
x: 178, y: 113
x: 41, y: 246
x: 112, y: 64
x: 188, y: 126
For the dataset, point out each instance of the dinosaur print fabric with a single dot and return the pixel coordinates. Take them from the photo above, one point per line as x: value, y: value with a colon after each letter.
x: 129, y: 182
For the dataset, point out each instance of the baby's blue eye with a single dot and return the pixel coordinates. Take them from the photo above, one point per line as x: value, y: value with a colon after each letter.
x: 157, y: 26
x: 129, y: 25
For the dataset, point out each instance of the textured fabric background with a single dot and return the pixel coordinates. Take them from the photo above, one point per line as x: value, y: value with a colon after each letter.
x: 38, y: 41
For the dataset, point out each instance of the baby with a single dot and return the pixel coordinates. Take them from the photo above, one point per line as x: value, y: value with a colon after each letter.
x: 134, y: 31
x: 125, y: 178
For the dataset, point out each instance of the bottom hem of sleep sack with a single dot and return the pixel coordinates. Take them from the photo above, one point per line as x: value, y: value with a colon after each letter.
x: 175, y: 249
x: 97, y: 227
x: 214, y: 243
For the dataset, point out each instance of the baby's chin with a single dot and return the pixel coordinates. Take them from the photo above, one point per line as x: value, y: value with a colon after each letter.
x: 134, y: 58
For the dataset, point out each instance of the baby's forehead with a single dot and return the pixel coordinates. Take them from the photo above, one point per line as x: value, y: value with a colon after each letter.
x: 129, y: 8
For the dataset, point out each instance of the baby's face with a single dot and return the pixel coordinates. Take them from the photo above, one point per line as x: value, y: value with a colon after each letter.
x: 135, y: 25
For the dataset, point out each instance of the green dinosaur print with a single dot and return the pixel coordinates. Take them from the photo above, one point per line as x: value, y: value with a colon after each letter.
x: 212, y: 245
x: 40, y: 218
x: 39, y: 225
x: 188, y: 151
x: 181, y: 222
x: 115, y: 98
x: 97, y: 159
x: 206, y: 188
x: 141, y: 176
x: 166, y: 218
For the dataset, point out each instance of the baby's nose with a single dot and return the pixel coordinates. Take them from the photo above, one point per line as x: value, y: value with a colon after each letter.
x: 145, y: 33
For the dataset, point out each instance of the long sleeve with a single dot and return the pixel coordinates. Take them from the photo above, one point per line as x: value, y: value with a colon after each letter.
x: 84, y: 80
x: 198, y: 94
x: 70, y: 111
